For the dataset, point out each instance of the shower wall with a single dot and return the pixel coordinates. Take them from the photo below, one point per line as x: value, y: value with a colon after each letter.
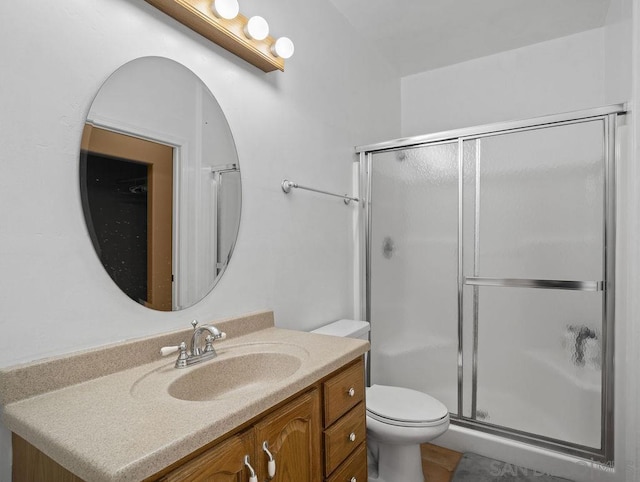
x: 489, y: 260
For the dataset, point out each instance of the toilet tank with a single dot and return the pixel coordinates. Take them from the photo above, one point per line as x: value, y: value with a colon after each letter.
x: 346, y: 328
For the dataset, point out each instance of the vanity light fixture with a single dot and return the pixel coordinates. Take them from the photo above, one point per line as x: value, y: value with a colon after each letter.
x: 283, y: 48
x: 227, y: 9
x: 221, y: 22
x: 257, y: 28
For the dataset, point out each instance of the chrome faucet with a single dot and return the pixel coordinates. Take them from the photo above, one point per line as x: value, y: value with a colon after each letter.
x: 196, y: 354
x: 214, y: 334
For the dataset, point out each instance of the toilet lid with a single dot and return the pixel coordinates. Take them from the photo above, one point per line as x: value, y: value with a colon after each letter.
x: 403, y: 405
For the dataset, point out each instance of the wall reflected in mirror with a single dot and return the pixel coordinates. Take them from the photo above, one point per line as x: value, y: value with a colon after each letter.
x: 160, y: 183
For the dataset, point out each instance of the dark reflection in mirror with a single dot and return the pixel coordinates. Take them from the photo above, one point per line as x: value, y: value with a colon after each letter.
x: 117, y: 194
x: 160, y: 184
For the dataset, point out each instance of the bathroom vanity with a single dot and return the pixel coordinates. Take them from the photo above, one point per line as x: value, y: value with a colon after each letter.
x: 304, y: 411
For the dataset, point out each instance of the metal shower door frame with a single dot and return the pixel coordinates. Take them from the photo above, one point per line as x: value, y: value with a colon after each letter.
x: 608, y: 115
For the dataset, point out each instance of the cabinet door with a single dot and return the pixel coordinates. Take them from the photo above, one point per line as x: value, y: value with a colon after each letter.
x: 222, y: 463
x: 293, y: 434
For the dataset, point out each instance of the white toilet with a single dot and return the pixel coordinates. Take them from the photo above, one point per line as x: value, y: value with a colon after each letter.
x: 398, y: 420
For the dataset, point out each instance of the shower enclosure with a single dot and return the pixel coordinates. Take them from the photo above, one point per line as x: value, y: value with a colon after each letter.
x: 489, y: 256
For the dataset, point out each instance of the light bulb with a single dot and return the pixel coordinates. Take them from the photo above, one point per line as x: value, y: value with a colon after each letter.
x: 228, y: 9
x: 257, y: 28
x: 283, y: 48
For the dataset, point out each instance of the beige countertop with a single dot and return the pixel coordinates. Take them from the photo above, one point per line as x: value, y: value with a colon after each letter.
x: 124, y: 425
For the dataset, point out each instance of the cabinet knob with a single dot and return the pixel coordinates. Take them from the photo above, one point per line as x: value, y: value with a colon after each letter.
x: 353, y: 479
x: 352, y: 437
x: 351, y: 392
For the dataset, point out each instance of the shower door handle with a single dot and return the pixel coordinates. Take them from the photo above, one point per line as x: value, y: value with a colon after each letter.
x: 548, y: 284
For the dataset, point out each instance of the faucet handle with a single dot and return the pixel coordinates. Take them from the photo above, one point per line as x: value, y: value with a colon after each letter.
x: 210, y: 338
x: 168, y: 350
x: 183, y: 357
x: 209, y: 346
x: 215, y: 333
x: 181, y: 362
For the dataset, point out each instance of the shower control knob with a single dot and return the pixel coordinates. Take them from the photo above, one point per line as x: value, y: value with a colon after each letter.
x: 352, y: 437
x: 351, y: 392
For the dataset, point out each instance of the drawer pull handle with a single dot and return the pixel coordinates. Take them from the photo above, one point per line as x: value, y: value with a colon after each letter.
x: 353, y: 479
x: 252, y: 473
x: 271, y: 463
x: 352, y: 437
x: 351, y: 392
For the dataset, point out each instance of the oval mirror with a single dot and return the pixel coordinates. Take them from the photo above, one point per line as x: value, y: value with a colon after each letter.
x: 160, y: 183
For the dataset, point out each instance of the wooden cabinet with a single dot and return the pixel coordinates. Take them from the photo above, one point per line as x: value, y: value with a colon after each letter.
x: 222, y: 463
x: 292, y: 434
x: 31, y: 465
x: 342, y: 392
x: 354, y: 468
x: 304, y: 448
x: 316, y: 435
x: 345, y: 454
x: 344, y: 436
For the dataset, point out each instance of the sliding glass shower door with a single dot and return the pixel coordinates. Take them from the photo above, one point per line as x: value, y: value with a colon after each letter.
x: 533, y: 280
x: 414, y: 257
x: 491, y: 278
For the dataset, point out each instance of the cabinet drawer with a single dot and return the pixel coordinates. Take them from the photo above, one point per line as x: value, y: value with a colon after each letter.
x: 354, y: 469
x: 343, y: 437
x: 342, y: 392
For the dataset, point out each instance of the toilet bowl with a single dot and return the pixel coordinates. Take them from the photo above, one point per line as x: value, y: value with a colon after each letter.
x: 398, y: 420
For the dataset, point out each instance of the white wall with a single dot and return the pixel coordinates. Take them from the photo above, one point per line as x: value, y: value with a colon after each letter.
x: 293, y: 252
x: 580, y: 71
x: 633, y: 261
x: 560, y: 75
x: 622, y: 83
x: 618, y: 45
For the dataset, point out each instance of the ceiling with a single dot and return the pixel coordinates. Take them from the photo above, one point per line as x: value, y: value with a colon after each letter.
x: 420, y: 35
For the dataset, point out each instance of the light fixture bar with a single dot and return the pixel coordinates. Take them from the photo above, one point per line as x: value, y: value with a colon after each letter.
x: 229, y: 34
